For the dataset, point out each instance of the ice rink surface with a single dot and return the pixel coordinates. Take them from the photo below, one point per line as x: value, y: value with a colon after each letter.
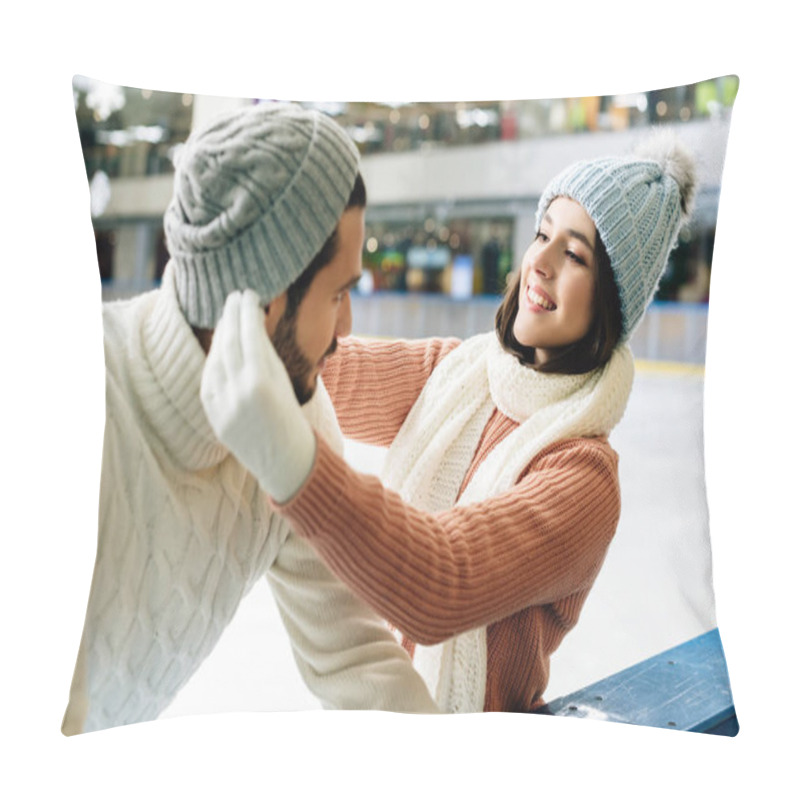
x: 654, y: 591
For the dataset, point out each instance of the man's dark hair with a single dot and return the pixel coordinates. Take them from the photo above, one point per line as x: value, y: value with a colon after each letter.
x: 296, y: 292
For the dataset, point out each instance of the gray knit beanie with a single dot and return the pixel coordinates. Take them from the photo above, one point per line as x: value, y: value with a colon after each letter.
x: 257, y: 194
x: 638, y: 205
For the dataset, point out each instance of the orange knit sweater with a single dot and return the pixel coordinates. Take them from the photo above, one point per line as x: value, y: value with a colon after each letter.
x: 520, y: 563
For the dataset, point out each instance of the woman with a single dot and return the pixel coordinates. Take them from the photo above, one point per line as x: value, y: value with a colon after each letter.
x: 500, y: 494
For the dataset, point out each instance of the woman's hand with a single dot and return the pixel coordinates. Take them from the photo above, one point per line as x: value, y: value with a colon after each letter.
x: 251, y: 405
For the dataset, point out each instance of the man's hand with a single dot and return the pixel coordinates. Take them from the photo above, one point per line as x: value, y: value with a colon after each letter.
x: 249, y: 401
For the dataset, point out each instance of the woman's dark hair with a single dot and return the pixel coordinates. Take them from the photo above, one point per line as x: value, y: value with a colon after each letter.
x: 297, y: 290
x: 594, y: 349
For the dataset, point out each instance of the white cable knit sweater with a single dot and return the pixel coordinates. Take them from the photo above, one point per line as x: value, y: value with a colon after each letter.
x: 185, y: 532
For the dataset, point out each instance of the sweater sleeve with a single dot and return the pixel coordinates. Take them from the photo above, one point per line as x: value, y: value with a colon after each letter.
x: 436, y: 575
x: 374, y: 382
x: 345, y: 653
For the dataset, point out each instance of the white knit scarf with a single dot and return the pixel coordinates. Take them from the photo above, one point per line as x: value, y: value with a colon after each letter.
x: 429, y: 458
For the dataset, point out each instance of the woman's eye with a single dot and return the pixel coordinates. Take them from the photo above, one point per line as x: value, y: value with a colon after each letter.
x: 575, y: 257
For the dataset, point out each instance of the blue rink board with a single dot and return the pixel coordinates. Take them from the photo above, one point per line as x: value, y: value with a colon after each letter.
x: 684, y: 688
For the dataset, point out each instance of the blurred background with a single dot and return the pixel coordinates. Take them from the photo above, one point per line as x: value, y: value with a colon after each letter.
x: 452, y: 189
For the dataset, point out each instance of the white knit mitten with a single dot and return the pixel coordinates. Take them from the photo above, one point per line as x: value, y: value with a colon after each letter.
x: 250, y: 403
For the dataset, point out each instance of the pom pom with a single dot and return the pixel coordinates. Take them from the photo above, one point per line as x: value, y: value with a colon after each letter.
x: 676, y: 161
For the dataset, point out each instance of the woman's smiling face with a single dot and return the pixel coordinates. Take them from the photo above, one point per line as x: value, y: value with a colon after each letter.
x: 558, y: 276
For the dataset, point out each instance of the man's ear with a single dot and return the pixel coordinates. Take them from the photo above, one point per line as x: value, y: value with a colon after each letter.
x: 273, y: 312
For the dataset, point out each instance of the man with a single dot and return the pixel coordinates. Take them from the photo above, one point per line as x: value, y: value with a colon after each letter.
x: 267, y: 198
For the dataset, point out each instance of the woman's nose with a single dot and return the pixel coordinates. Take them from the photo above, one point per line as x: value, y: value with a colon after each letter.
x: 543, y: 262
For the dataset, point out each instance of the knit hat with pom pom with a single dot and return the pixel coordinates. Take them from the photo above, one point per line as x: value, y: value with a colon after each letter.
x: 638, y: 205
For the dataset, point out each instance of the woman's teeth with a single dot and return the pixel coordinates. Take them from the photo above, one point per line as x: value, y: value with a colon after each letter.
x: 535, y: 297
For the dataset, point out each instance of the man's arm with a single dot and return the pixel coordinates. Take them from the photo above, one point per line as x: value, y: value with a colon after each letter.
x: 345, y: 653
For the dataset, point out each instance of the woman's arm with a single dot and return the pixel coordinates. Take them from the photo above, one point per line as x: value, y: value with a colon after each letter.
x: 430, y: 575
x: 374, y: 382
x: 435, y: 575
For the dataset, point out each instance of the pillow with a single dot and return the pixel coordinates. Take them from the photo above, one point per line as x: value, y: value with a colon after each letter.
x: 452, y: 191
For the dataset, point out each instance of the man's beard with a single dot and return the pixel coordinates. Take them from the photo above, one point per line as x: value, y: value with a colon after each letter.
x: 300, y: 369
